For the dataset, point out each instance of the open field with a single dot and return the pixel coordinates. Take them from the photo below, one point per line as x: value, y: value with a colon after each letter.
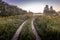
x: 47, y: 27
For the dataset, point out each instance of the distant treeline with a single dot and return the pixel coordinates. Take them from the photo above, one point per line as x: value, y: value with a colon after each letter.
x: 10, y: 10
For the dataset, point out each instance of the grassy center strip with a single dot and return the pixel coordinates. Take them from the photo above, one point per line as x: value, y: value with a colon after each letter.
x: 26, y: 33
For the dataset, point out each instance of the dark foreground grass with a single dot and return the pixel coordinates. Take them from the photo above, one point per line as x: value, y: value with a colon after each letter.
x: 48, y: 27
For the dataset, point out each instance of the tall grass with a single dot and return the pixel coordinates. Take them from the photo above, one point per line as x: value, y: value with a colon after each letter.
x: 8, y: 26
x: 48, y: 27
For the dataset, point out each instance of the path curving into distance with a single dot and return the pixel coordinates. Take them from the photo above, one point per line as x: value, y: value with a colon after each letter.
x: 16, y: 35
x: 34, y: 30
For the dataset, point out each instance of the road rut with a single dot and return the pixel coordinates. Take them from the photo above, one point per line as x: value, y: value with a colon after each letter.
x: 16, y: 35
x: 34, y: 30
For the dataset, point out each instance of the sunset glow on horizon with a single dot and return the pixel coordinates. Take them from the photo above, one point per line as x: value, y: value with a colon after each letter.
x: 35, y: 5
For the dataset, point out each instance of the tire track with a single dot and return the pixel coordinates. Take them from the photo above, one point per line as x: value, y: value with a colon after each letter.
x: 34, y: 30
x: 16, y: 35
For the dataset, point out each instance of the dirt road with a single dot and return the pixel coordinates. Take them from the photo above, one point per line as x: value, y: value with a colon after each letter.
x: 34, y: 30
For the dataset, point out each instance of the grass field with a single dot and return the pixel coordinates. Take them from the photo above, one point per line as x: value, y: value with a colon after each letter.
x: 48, y: 27
x: 8, y: 25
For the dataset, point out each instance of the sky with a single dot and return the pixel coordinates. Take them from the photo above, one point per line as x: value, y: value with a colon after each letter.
x: 35, y: 5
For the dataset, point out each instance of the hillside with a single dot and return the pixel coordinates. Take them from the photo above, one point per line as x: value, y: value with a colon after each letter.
x: 8, y: 10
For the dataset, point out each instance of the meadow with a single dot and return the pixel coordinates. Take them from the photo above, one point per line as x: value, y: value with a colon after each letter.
x: 9, y: 25
x: 48, y: 27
